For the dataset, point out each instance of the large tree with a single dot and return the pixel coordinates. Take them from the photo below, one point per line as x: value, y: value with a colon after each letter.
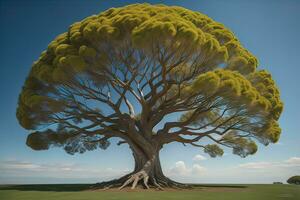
x: 128, y: 72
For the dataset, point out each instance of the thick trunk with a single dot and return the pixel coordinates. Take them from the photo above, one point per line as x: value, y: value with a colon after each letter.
x: 147, y: 168
x: 151, y: 161
x: 153, y: 168
x: 147, y: 172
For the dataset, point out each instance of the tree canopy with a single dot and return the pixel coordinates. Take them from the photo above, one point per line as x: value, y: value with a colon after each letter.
x: 294, y: 180
x: 124, y: 72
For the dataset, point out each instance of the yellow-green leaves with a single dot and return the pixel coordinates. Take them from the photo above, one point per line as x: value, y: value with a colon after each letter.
x: 108, y: 32
x: 152, y: 30
x: 90, y: 31
x: 242, y: 64
x: 73, y: 62
x: 213, y: 150
x: 87, y: 52
x: 264, y: 83
x: 61, y: 39
x: 65, y: 49
x: 31, y: 101
x: 146, y: 26
x: 240, y: 59
x: 197, y: 61
x: 207, y: 83
x: 231, y: 86
x: 45, y: 73
x: 22, y: 115
x: 270, y: 131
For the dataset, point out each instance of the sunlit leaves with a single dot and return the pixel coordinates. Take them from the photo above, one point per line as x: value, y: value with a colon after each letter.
x: 232, y: 86
x: 197, y: 60
x: 270, y: 132
x: 264, y: 83
x: 208, y: 83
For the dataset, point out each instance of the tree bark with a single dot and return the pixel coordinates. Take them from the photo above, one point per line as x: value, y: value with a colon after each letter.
x: 147, y: 172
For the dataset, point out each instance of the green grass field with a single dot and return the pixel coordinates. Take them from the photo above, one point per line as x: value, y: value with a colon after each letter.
x: 201, y: 192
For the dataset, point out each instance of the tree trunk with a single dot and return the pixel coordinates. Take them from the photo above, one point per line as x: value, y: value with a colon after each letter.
x: 147, y: 172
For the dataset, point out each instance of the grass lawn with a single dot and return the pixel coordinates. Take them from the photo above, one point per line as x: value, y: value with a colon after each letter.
x: 201, y: 192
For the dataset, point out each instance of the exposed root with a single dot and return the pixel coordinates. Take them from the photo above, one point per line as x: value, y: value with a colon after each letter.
x: 156, y: 184
x: 135, y: 178
x: 141, y: 177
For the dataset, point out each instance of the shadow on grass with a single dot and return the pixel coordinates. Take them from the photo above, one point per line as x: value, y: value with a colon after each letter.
x: 82, y: 187
x: 48, y: 187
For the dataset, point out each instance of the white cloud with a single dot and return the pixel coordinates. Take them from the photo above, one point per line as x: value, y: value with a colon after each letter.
x: 58, y: 170
x: 28, y: 166
x: 255, y: 165
x: 21, y: 165
x: 249, y: 172
x: 180, y: 169
x: 199, y: 157
x: 293, y: 162
x: 198, y: 169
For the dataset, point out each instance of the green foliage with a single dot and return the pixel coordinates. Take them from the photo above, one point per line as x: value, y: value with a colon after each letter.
x: 270, y: 131
x: 266, y: 86
x: 294, y: 180
x: 258, y: 93
x: 213, y: 150
x: 213, y: 67
x: 240, y: 146
x: 87, y: 52
x: 72, y: 50
x: 232, y: 86
x: 68, y: 139
x: 208, y: 83
x: 76, y: 62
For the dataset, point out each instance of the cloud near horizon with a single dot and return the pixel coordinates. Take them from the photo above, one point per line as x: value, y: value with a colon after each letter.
x: 250, y: 172
x: 291, y: 162
x: 15, y: 168
x: 15, y: 171
x: 180, y: 169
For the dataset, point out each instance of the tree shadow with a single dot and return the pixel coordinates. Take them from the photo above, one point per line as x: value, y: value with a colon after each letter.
x: 48, y: 187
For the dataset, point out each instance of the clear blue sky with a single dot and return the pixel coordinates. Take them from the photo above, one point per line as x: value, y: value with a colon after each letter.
x: 270, y: 29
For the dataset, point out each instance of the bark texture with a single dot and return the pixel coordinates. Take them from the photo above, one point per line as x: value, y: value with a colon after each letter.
x: 147, y: 172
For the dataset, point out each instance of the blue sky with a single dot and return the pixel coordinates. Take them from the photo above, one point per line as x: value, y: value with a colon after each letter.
x: 270, y: 29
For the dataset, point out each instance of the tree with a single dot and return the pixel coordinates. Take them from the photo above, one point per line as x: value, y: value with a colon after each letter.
x: 125, y: 72
x: 294, y: 180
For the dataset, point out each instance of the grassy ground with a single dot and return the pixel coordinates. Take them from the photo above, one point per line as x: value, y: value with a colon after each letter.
x: 201, y: 192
